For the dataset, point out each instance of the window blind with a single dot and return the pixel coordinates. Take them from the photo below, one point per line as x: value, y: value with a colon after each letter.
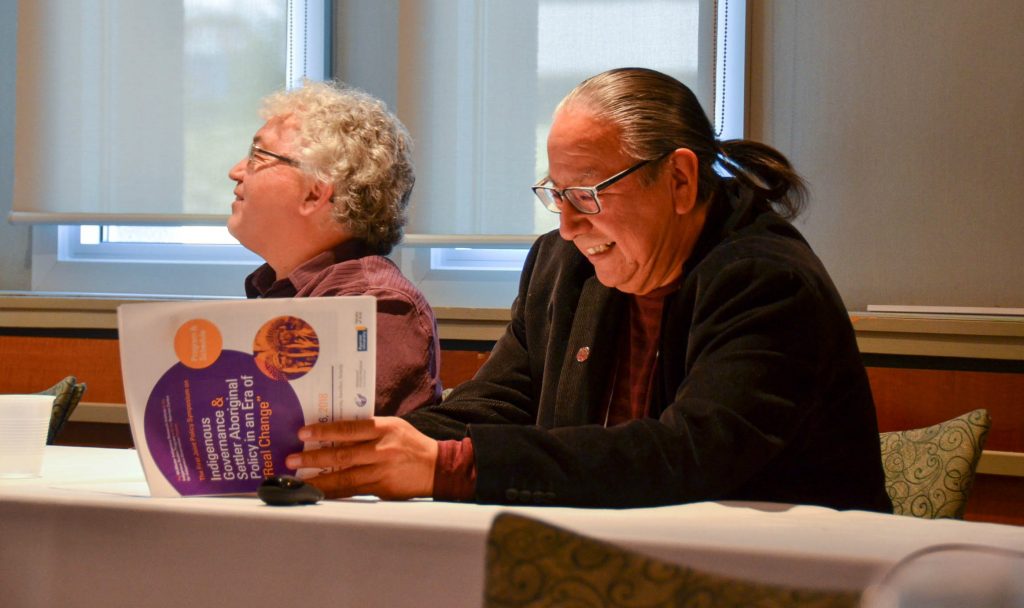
x: 133, y: 112
x: 478, y: 83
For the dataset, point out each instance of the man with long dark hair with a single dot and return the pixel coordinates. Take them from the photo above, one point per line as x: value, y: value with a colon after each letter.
x: 675, y: 340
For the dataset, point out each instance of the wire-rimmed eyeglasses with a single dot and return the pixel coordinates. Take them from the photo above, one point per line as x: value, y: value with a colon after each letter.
x: 583, y: 198
x: 254, y: 150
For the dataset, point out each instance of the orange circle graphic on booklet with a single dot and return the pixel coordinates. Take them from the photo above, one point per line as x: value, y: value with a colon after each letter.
x: 198, y: 343
x: 285, y: 348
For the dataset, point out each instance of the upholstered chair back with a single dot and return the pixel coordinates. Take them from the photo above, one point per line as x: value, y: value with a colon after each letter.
x: 66, y: 395
x: 929, y: 471
x: 531, y: 563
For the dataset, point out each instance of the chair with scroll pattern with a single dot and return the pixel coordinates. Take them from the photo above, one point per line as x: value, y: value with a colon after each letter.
x: 531, y: 563
x: 66, y: 395
x: 929, y: 471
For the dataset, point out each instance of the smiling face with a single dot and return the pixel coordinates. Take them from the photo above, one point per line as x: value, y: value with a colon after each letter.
x: 644, y: 232
x: 268, y: 191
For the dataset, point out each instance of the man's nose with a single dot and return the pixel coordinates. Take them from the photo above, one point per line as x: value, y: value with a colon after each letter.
x: 237, y: 173
x: 572, y: 223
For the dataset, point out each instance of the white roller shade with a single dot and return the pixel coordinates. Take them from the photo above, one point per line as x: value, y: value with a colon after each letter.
x: 133, y: 111
x: 478, y: 81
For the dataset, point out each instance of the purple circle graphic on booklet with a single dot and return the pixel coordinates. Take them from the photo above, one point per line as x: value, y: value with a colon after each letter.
x: 221, y: 429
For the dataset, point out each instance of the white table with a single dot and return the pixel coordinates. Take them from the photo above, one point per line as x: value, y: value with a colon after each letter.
x: 88, y: 534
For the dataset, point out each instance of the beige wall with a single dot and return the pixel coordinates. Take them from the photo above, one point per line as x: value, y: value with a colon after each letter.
x: 906, y: 118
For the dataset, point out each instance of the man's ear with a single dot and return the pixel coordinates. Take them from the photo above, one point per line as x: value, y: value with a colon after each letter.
x: 318, y: 197
x: 685, y: 176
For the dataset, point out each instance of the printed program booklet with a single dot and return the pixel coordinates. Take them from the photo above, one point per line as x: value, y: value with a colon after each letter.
x: 217, y: 390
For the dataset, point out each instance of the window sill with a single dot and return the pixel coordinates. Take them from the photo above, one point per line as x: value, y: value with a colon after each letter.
x: 90, y: 311
x: 935, y: 335
x: 928, y: 335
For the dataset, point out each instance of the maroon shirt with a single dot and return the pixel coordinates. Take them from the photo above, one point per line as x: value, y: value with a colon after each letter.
x: 455, y: 472
x: 634, y: 373
x: 408, y: 349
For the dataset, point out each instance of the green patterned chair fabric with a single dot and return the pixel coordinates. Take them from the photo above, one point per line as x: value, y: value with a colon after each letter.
x: 530, y: 563
x: 929, y: 471
x: 66, y: 395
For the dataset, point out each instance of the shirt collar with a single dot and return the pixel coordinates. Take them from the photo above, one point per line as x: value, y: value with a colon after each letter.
x: 262, y: 284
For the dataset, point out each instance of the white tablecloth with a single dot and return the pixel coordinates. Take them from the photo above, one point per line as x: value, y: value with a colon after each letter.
x: 88, y: 534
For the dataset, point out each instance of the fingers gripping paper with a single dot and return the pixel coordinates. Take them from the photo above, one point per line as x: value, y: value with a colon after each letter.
x: 216, y: 390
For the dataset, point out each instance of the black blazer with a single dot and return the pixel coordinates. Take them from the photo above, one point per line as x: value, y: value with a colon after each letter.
x: 759, y: 389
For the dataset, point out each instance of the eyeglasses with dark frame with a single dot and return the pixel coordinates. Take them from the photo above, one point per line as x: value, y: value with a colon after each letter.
x: 254, y: 150
x: 583, y: 198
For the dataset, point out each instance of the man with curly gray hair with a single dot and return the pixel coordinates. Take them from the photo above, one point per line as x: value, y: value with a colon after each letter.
x: 322, y: 197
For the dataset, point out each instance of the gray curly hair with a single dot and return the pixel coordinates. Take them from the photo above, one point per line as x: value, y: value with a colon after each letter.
x: 349, y: 139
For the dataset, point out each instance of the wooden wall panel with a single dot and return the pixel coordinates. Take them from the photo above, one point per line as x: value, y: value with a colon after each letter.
x: 914, y: 398
x: 29, y: 364
x: 997, y: 499
x: 457, y: 366
x: 96, y: 435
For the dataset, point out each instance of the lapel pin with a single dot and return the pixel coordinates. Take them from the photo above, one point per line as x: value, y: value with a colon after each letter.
x: 583, y: 354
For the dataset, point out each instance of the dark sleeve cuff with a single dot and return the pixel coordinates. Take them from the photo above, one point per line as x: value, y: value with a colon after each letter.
x: 455, y: 473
